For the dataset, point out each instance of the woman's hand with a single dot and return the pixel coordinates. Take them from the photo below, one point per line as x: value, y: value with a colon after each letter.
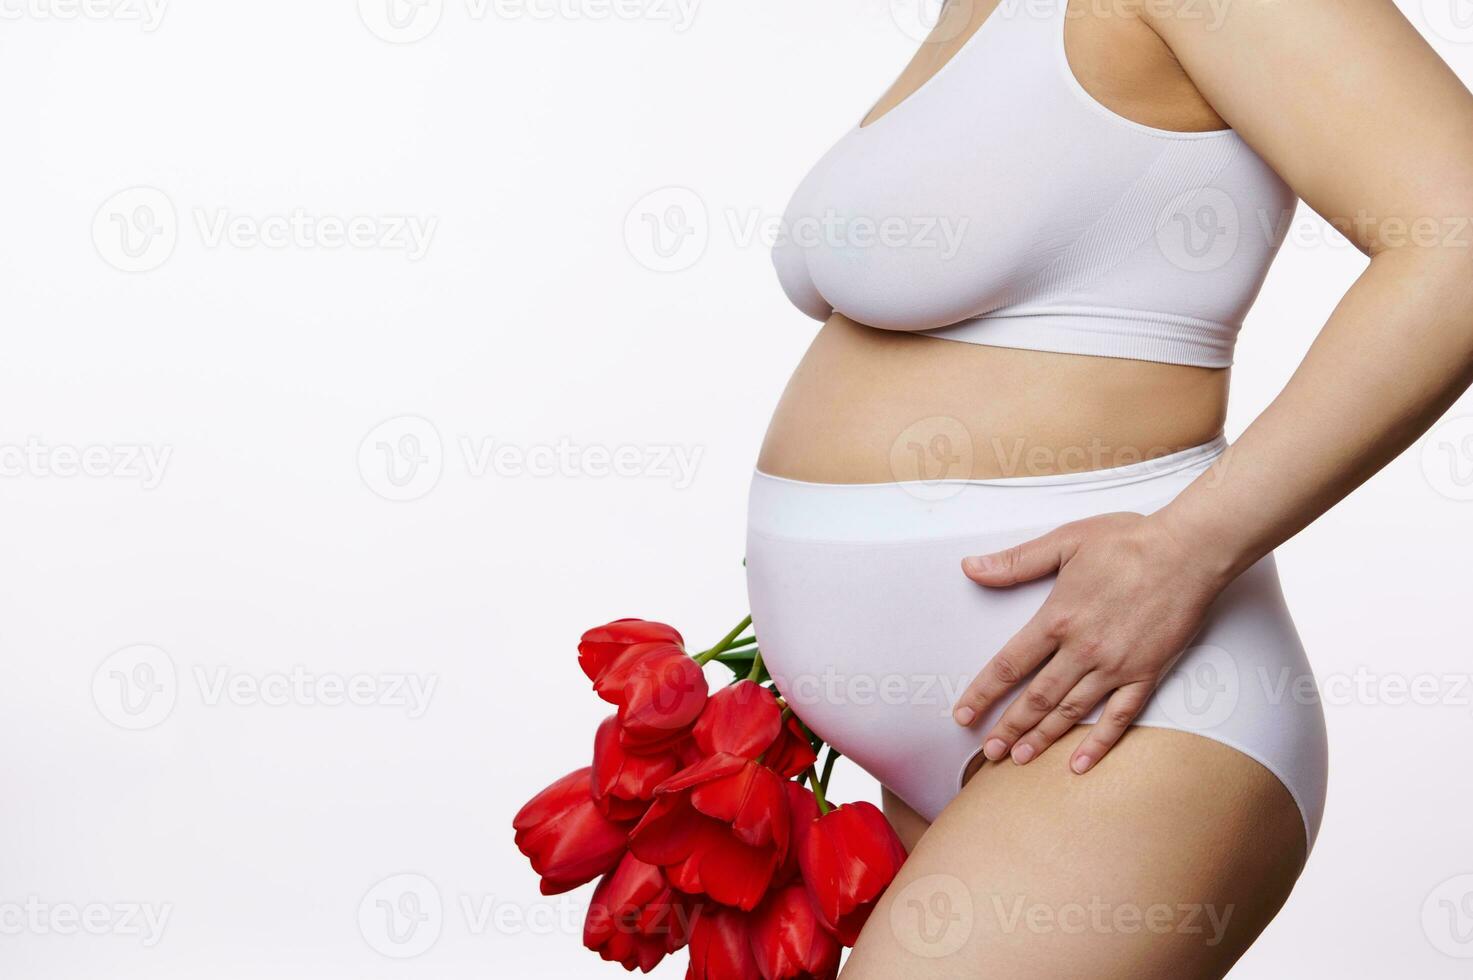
x: 1128, y: 600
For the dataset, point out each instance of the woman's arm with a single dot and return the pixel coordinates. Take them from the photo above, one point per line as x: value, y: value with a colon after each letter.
x: 1348, y: 103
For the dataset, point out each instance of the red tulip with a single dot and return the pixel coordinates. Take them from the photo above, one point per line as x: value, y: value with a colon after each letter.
x: 624, y: 782
x: 849, y: 858
x: 791, y: 752
x: 662, y: 695
x: 789, y: 941
x: 745, y: 720
x: 742, y: 719
x: 803, y: 811
x: 720, y: 828
x: 569, y: 841
x: 602, y: 645
x: 635, y: 917
x: 721, y: 946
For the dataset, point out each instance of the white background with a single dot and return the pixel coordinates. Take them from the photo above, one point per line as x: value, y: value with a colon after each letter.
x: 265, y: 543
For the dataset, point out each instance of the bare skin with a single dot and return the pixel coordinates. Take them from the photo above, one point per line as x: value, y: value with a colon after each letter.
x: 1141, y: 869
x: 868, y: 406
x: 1374, y: 133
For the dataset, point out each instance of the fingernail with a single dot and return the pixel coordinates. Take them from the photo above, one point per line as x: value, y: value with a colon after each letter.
x: 964, y: 716
x: 1081, y: 764
x: 977, y: 564
x: 995, y: 749
x: 1022, y: 753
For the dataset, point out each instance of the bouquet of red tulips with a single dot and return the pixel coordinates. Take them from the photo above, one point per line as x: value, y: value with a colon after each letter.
x: 707, y: 819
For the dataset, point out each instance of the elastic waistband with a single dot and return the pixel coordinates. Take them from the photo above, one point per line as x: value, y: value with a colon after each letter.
x: 1141, y: 336
x: 909, y: 510
x: 1146, y: 469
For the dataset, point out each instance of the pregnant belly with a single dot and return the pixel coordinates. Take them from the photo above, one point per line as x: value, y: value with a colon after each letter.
x: 875, y: 406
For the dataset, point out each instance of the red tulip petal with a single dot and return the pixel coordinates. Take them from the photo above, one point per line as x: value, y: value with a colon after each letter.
x: 722, y: 798
x: 624, y: 782
x: 669, y: 832
x: 602, y: 645
x: 789, y: 941
x: 753, y: 801
x: 634, y: 918
x: 686, y: 874
x: 803, y: 811
x: 715, y: 767
x: 764, y: 817
x: 662, y: 697
x: 720, y: 947
x: 611, y: 682
x: 735, y: 874
x: 790, y: 752
x: 742, y: 719
x: 566, y: 837
x: 849, y: 858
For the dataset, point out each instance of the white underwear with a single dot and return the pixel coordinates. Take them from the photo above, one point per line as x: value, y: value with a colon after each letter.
x: 872, y: 632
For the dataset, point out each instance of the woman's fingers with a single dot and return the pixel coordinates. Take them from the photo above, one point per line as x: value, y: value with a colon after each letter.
x: 1071, y: 709
x: 1120, y: 711
x: 1028, y: 648
x: 1058, y: 678
x: 1025, y: 562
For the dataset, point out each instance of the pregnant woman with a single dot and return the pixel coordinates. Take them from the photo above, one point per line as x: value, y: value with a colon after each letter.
x: 1000, y: 554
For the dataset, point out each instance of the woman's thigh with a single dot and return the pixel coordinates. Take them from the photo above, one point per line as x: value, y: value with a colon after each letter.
x: 1164, y: 861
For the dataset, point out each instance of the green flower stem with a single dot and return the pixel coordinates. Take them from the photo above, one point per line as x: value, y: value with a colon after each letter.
x: 736, y: 656
x: 725, y: 644
x: 823, y: 803
x: 828, y: 767
x: 756, y: 667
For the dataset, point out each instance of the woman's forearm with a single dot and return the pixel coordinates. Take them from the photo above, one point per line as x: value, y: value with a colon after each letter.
x: 1397, y: 351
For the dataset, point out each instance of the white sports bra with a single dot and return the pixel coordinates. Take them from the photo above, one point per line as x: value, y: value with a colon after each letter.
x: 1001, y: 204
